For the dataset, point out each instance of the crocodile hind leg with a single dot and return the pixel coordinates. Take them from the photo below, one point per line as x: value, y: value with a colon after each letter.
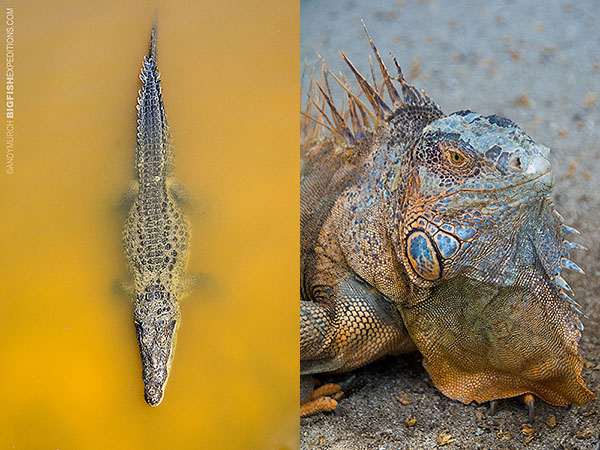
x: 356, y: 326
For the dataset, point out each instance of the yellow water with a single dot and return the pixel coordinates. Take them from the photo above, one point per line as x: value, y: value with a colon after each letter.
x: 70, y: 372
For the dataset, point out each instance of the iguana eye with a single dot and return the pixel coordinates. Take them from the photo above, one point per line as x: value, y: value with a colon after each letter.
x: 456, y: 158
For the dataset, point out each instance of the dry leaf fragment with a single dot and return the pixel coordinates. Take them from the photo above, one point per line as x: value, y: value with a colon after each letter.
x: 514, y: 54
x: 527, y: 429
x: 551, y: 422
x: 584, y: 434
x: 410, y: 421
x: 504, y: 435
x: 572, y: 168
x: 523, y: 101
x: 588, y: 364
x: 590, y: 100
x: 403, y: 399
x: 445, y: 438
x: 528, y: 439
x: 479, y: 416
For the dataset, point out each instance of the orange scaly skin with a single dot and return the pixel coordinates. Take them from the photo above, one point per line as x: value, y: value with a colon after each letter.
x: 433, y: 232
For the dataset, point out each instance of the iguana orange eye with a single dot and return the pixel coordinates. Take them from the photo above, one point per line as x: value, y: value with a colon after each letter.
x: 456, y: 158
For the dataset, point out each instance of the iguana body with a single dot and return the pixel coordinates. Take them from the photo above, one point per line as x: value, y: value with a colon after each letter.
x: 155, y: 237
x: 434, y: 232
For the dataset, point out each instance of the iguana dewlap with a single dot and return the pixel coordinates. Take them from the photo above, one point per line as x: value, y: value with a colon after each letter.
x: 421, y: 230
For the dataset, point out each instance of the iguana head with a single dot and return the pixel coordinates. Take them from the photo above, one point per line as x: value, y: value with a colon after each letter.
x: 482, y: 234
x: 475, y: 182
x: 156, y: 333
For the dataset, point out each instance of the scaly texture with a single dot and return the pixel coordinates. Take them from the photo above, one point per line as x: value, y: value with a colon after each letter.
x: 421, y: 230
x: 155, y: 237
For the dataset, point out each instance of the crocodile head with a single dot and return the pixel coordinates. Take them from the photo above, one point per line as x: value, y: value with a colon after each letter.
x: 479, y: 193
x: 156, y: 321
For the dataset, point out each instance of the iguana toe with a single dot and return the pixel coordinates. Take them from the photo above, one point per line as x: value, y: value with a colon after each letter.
x: 322, y: 399
x: 529, y: 401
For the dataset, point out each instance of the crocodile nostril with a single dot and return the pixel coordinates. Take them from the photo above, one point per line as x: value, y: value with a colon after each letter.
x: 515, y: 164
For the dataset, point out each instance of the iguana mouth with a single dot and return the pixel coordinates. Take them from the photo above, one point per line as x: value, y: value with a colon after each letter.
x: 549, y: 183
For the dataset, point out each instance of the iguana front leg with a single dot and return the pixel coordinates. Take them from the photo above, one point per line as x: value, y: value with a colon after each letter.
x: 355, y: 326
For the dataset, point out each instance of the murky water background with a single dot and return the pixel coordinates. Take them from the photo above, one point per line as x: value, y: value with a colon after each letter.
x: 70, y: 372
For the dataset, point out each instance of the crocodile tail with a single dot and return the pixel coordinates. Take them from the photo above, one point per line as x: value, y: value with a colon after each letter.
x: 152, y: 129
x: 408, y: 110
x: 152, y: 49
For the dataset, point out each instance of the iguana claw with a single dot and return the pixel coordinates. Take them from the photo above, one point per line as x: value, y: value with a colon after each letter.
x: 529, y: 401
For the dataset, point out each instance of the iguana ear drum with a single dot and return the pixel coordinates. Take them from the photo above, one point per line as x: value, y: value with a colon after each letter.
x: 423, y: 256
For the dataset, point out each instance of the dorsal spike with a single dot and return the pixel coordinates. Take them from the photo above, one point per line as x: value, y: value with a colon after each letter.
x: 308, y: 128
x: 566, y: 229
x: 558, y: 215
x: 393, y: 93
x: 576, y: 310
x: 569, y: 300
x: 340, y: 123
x: 574, y: 246
x: 409, y: 93
x: 322, y: 115
x: 561, y: 283
x: 379, y: 106
x: 355, y: 119
x: 568, y: 264
x: 364, y: 109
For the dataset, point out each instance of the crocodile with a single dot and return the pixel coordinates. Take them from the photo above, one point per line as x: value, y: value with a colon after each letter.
x: 433, y: 232
x: 156, y: 235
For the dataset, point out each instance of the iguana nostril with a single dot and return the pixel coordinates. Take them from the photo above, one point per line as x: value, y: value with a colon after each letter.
x: 515, y: 164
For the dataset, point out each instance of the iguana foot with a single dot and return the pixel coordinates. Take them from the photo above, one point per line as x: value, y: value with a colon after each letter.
x: 527, y: 399
x: 529, y: 402
x: 322, y: 399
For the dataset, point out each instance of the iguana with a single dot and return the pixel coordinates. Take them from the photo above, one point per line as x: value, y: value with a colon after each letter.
x: 155, y: 236
x: 437, y: 233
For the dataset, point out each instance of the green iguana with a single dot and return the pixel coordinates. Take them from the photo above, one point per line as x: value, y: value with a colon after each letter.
x: 155, y: 236
x: 437, y: 233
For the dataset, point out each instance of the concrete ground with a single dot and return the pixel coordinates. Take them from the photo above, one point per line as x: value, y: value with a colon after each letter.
x: 537, y: 63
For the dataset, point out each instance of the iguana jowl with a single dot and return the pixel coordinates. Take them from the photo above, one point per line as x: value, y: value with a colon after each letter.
x: 433, y: 232
x: 155, y: 236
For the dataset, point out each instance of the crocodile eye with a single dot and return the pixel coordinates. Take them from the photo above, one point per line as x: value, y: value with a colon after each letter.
x: 456, y: 158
